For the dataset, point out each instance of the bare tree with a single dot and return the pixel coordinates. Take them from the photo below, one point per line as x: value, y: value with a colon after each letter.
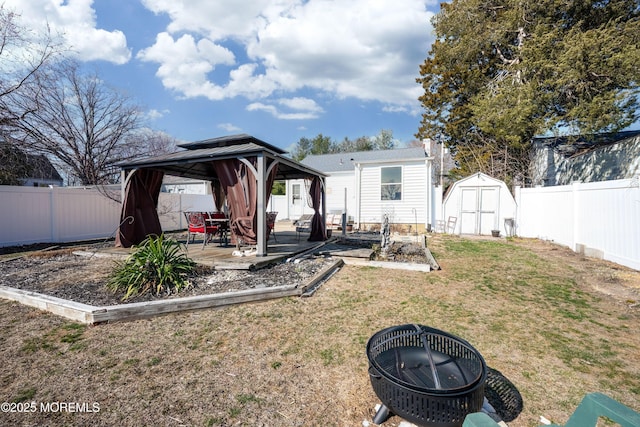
x: 14, y: 165
x: 79, y: 122
x: 24, y: 55
x: 150, y: 142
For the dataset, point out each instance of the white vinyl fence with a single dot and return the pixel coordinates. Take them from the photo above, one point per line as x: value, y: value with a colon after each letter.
x: 600, y: 219
x: 66, y: 214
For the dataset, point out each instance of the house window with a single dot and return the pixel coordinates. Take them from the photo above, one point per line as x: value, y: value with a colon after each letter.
x: 391, y: 183
x: 295, y: 192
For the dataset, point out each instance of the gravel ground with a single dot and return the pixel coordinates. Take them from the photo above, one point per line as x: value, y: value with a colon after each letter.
x: 83, y: 278
x: 62, y: 274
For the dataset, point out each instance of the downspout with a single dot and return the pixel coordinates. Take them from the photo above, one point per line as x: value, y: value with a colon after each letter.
x: 430, y: 205
x: 358, y: 178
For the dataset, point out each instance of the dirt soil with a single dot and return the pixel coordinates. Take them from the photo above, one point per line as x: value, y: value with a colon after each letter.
x: 83, y: 278
x: 555, y: 323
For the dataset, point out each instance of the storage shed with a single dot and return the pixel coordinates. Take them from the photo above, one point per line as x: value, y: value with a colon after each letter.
x: 479, y: 204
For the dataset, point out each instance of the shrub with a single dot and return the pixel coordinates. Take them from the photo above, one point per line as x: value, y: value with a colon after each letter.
x: 157, y: 265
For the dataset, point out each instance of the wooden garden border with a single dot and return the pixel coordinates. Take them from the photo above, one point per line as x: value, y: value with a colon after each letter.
x: 90, y: 314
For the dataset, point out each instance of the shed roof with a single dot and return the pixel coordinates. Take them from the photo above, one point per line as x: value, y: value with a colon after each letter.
x: 343, y: 162
x: 196, y: 160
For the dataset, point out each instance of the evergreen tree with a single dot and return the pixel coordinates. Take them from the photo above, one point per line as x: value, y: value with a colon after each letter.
x: 503, y: 71
x: 325, y: 145
x: 319, y: 145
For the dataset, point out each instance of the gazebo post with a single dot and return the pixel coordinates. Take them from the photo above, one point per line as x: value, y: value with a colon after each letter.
x: 261, y: 238
x: 324, y: 204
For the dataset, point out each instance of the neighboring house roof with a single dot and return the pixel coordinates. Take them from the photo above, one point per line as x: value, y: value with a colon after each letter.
x: 344, y: 162
x: 27, y: 168
x: 43, y: 169
x: 570, y: 146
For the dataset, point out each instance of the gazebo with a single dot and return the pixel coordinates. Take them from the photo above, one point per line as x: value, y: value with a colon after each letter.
x: 241, y: 169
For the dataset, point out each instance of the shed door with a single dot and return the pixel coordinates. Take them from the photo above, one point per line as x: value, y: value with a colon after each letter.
x: 478, y: 210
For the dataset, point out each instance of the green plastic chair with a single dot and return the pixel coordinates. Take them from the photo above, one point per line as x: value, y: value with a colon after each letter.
x: 479, y: 419
x: 592, y: 407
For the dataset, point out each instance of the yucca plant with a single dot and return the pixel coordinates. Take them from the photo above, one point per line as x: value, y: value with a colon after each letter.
x: 157, y: 265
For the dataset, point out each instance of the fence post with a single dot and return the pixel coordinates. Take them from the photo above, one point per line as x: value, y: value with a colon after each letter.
x: 575, y: 214
x: 180, y: 215
x: 54, y: 214
x: 518, y: 199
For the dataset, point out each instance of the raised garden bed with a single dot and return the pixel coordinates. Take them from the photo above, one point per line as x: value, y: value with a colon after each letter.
x: 74, y: 286
x: 72, y: 282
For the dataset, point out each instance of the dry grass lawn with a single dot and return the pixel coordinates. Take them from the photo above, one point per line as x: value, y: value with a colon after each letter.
x: 556, y: 324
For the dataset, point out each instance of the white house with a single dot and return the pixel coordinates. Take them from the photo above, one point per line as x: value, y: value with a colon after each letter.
x: 587, y: 158
x: 175, y: 184
x: 368, y: 184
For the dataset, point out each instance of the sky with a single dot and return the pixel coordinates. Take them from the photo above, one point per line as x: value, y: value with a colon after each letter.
x: 278, y: 70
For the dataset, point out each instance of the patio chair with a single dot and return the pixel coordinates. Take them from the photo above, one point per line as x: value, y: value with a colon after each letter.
x: 271, y: 222
x: 451, y: 225
x: 197, y: 223
x: 592, y: 407
x: 220, y: 220
x: 243, y: 222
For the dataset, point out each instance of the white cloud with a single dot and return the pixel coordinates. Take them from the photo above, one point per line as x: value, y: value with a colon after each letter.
x: 365, y: 49
x: 229, y: 127
x: 154, y: 114
x: 299, y: 103
x: 299, y: 109
x: 259, y: 106
x: 75, y: 22
x: 186, y: 63
x: 394, y: 109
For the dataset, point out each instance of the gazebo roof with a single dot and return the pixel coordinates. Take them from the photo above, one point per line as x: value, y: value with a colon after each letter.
x: 196, y: 160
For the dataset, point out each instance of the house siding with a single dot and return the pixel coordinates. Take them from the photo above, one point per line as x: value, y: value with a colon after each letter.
x: 617, y: 160
x: 359, y: 174
x: 336, y: 185
x: 412, y: 206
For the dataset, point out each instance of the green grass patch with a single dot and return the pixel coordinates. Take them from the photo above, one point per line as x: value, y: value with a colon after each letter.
x: 331, y: 356
x: 69, y: 333
x: 131, y: 362
x: 25, y: 395
x: 73, y: 333
x: 243, y: 399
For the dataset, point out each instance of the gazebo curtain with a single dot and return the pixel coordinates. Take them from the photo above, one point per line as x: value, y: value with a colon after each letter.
x: 240, y: 187
x: 139, y: 215
x: 218, y: 194
x: 236, y: 183
x: 318, y: 226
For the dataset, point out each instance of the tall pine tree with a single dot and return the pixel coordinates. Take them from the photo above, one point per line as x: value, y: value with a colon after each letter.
x: 503, y: 71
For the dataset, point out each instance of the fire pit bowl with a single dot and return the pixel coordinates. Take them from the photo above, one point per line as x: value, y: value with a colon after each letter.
x: 426, y: 376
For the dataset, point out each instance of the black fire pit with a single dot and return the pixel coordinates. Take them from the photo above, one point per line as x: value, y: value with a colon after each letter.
x: 426, y: 376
